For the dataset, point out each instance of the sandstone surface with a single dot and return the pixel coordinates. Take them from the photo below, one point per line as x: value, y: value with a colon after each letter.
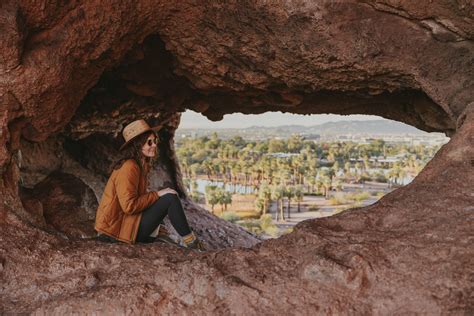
x: 73, y: 73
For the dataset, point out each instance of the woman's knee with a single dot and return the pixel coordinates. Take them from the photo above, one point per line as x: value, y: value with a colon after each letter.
x: 170, y: 197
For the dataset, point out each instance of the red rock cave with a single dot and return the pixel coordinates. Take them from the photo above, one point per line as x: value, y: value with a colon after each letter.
x: 73, y: 73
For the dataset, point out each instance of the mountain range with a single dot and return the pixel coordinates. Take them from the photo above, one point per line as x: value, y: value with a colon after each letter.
x: 368, y: 127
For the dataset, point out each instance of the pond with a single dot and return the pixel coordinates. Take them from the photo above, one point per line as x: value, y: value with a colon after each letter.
x: 241, y: 189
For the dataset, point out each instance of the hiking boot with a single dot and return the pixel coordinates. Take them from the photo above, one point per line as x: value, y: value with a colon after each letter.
x: 167, y: 240
x: 197, y: 245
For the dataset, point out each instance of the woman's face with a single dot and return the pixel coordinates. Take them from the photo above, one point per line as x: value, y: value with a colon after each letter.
x: 149, y: 148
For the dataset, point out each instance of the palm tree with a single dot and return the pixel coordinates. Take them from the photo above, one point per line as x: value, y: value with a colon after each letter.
x: 312, y: 182
x: 236, y: 169
x: 208, y: 166
x: 299, y: 195
x: 347, y: 169
x: 260, y: 204
x: 226, y: 198
x: 277, y: 195
x: 212, y: 197
x: 194, y: 169
x: 319, y: 183
x: 335, y: 167
x: 401, y: 175
x: 265, y: 194
x: 366, y: 163
x: 289, y: 194
x: 221, y: 169
x: 327, y: 183
x: 393, y: 175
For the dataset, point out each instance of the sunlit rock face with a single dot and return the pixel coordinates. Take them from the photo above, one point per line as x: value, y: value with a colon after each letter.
x: 73, y: 74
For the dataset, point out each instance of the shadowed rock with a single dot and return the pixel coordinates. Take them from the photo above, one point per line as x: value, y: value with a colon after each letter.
x: 67, y: 204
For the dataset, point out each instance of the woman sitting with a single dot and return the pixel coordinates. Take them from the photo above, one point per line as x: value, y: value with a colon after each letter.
x: 127, y: 212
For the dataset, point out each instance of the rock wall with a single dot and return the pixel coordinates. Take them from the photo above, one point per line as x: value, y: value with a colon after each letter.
x: 72, y: 74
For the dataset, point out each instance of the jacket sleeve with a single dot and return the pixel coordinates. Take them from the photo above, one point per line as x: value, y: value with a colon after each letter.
x: 127, y: 183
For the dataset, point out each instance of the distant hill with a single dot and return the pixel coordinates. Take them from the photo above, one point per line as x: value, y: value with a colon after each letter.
x: 366, y: 128
x: 331, y: 130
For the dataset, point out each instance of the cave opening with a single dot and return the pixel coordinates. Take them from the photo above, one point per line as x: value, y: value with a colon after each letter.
x: 350, y: 170
x: 268, y: 172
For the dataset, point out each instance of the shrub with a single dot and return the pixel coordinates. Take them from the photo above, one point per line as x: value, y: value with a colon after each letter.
x: 230, y: 216
x: 337, y: 199
x: 379, y: 177
x: 267, y: 226
x: 251, y: 225
x: 266, y: 221
x: 197, y: 197
x: 361, y: 196
x: 272, y: 231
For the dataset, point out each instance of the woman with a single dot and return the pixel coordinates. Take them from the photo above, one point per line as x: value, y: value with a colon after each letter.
x: 127, y: 212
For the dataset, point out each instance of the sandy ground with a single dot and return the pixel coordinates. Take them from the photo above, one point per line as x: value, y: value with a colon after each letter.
x: 324, y: 207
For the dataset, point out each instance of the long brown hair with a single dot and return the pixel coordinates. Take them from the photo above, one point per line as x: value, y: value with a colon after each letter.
x: 133, y: 150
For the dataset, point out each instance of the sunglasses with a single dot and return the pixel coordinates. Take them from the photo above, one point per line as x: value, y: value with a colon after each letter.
x: 150, y: 142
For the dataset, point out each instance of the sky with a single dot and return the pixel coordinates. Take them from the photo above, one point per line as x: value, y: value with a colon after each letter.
x: 191, y: 119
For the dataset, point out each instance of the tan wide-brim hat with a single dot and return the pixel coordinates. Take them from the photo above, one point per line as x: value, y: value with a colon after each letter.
x: 136, y: 128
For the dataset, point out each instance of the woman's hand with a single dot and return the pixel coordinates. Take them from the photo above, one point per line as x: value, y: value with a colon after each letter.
x: 167, y: 190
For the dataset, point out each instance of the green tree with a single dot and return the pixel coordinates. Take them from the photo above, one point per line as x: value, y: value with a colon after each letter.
x: 277, y: 195
x: 289, y: 194
x: 225, y: 199
x: 295, y: 143
x: 212, y: 196
x: 260, y: 204
x: 299, y: 195
x: 327, y: 184
x: 196, y: 196
x: 265, y: 196
x: 276, y: 146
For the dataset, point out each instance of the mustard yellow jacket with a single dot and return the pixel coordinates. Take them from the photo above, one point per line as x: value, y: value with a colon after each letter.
x: 125, y: 197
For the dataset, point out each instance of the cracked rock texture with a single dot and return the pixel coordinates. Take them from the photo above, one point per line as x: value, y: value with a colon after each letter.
x: 73, y: 73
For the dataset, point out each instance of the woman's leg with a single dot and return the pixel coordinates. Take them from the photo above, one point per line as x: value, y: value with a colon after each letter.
x: 168, y: 204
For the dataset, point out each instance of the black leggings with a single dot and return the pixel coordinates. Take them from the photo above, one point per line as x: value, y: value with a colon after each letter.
x: 168, y: 204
